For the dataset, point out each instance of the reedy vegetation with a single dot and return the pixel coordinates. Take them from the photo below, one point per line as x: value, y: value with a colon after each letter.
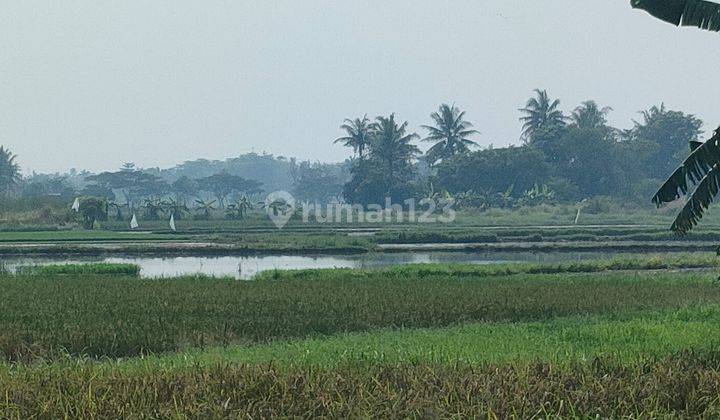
x: 89, y: 315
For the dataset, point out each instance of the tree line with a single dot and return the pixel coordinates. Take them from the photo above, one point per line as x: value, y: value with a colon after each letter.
x: 563, y: 157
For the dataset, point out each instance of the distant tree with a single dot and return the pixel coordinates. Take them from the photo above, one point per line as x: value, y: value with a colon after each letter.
x: 48, y: 186
x: 184, y: 188
x: 388, y: 171
x: 134, y: 185
x: 590, y: 115
x: 128, y: 167
x: 450, y: 133
x: 223, y: 185
x: 358, y: 135
x: 153, y: 207
x: 540, y: 113
x: 9, y: 171
x: 319, y: 183
x: 116, y: 208
x: 495, y: 171
x: 176, y: 208
x: 238, y: 209
x: 92, y: 209
x: 97, y: 190
x: 537, y: 195
x: 589, y: 159
x: 669, y: 133
x: 391, y: 145
x: 205, y: 207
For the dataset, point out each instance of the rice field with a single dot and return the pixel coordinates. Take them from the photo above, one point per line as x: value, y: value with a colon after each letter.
x: 630, y: 336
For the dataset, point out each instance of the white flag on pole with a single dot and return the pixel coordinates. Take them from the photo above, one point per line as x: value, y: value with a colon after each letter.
x: 134, y: 223
x: 172, y: 222
x: 76, y: 204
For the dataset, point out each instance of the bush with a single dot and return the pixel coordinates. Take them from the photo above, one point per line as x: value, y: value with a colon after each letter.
x: 599, y: 204
x: 80, y: 269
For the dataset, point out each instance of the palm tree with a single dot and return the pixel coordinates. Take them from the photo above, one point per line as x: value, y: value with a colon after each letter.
x: 590, y: 115
x: 450, y: 133
x: 541, y: 113
x: 701, y: 170
x: 9, y: 171
x: 391, y: 144
x: 358, y: 135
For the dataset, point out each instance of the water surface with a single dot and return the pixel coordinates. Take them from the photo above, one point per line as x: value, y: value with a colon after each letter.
x: 246, y: 267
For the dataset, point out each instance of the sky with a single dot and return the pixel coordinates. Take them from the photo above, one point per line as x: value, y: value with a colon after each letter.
x: 90, y: 84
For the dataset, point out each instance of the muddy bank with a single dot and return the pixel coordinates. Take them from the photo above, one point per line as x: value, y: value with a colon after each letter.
x: 229, y: 249
x: 166, y: 249
x: 586, y: 246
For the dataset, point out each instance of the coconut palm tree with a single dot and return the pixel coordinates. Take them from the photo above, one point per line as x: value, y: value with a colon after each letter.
x: 540, y: 112
x: 450, y: 133
x: 9, y: 171
x: 590, y: 115
x: 391, y: 144
x: 701, y: 170
x: 358, y: 135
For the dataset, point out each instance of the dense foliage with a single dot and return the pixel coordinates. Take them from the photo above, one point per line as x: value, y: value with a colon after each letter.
x: 572, y: 157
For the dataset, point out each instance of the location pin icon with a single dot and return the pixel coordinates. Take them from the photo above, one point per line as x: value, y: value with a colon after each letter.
x: 280, y: 207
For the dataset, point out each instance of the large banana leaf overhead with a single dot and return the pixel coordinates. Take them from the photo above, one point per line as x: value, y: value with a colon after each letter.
x: 698, y: 13
x: 699, y: 171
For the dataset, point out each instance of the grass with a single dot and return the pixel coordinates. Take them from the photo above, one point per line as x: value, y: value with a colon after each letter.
x: 106, y: 269
x: 79, y: 315
x: 683, y: 385
x: 629, y: 338
x: 527, y: 340
x: 449, y: 234
x: 83, y: 236
x: 418, y: 271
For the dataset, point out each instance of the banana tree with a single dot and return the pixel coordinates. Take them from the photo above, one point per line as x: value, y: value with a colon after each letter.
x: 117, y: 208
x: 176, y: 208
x: 699, y: 174
x: 153, y: 207
x: 697, y: 13
x: 205, y: 207
x: 238, y: 209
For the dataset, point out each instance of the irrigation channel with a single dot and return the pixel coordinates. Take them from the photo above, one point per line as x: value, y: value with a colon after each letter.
x: 245, y: 267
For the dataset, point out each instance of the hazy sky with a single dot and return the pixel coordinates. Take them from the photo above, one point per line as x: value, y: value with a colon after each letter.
x: 92, y: 84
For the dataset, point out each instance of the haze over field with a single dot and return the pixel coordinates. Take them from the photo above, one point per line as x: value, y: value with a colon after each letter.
x: 92, y: 84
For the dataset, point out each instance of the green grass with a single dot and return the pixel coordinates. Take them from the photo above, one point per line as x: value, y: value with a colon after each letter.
x: 106, y: 269
x: 682, y: 385
x: 562, y: 341
x: 418, y: 271
x: 414, y: 341
x: 81, y: 315
x: 451, y: 234
x: 83, y: 236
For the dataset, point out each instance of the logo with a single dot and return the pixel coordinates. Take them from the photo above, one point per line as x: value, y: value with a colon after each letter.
x: 280, y: 207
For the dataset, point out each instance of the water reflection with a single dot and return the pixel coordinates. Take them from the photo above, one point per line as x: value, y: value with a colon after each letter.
x: 246, y: 267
